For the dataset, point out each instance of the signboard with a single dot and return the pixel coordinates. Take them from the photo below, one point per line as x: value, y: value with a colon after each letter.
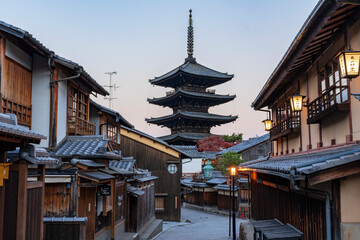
x: 105, y: 190
x: 172, y: 168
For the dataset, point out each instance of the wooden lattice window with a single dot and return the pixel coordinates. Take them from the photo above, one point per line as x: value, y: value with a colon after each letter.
x: 112, y: 133
x: 77, y: 103
x: 159, y: 203
x: 330, y: 81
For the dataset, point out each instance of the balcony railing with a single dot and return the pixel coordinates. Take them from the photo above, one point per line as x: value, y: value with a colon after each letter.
x: 79, y: 126
x: 22, y: 112
x: 335, y: 99
x: 285, y: 127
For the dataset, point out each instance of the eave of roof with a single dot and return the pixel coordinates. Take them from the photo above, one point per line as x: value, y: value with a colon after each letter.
x: 75, y: 66
x: 244, y: 145
x: 113, y: 113
x: 193, y: 69
x: 195, y: 116
x: 181, y: 93
x: 322, y: 12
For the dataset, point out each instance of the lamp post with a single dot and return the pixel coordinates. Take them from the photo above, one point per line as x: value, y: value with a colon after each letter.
x: 233, y: 173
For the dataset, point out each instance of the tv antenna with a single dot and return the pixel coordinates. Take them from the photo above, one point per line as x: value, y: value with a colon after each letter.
x: 111, y: 88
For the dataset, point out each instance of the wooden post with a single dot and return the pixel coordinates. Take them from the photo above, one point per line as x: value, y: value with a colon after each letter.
x: 112, y: 200
x: 42, y: 179
x: 2, y: 195
x: 22, y: 200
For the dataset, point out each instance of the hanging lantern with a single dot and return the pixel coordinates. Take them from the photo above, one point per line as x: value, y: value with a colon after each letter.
x: 232, y: 171
x: 296, y: 103
x: 349, y: 64
x: 208, y: 171
x: 268, y: 124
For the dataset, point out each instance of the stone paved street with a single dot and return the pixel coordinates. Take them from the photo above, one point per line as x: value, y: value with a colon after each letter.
x: 202, y: 225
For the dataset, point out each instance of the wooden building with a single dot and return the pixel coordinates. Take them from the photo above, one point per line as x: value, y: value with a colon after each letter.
x: 190, y: 100
x: 312, y: 179
x: 21, y: 201
x: 108, y: 123
x: 251, y: 149
x: 164, y: 162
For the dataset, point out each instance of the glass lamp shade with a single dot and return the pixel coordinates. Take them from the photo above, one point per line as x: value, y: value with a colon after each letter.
x: 349, y: 64
x: 232, y: 171
x: 208, y: 171
x: 296, y: 103
x: 268, y: 124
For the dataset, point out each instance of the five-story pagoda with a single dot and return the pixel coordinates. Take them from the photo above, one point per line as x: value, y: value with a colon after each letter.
x: 190, y: 99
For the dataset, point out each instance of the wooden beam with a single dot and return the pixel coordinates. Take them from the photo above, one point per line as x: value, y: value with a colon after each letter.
x: 334, y: 173
x: 22, y: 200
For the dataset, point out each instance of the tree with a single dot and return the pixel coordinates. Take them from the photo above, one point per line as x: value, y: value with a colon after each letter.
x: 234, y: 138
x: 229, y: 159
x: 213, y: 143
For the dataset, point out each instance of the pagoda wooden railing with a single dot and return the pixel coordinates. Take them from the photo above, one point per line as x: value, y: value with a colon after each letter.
x: 285, y: 127
x: 22, y: 112
x: 334, y: 99
x: 79, y: 126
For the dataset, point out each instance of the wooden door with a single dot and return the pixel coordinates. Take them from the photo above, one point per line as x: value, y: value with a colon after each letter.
x: 87, y: 209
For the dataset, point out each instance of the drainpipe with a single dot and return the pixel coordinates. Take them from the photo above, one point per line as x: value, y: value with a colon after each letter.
x: 52, y: 122
x: 326, y: 195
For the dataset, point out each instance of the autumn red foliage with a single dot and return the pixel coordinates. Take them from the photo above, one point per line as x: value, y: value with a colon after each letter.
x: 213, y: 143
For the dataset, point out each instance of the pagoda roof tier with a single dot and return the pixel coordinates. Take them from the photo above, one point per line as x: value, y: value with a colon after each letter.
x: 184, y: 138
x: 206, y: 119
x: 210, y: 99
x: 191, y: 73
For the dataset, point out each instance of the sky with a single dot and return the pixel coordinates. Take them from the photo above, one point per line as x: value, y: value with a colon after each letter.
x: 143, y: 39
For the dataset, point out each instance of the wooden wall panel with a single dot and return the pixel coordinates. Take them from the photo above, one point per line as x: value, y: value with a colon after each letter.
x: 157, y: 163
x: 16, y: 82
x: 300, y: 210
x: 11, y: 203
x: 57, y: 200
x: 33, y: 214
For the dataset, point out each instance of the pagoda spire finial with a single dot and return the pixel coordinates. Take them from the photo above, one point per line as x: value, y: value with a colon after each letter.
x: 190, y: 39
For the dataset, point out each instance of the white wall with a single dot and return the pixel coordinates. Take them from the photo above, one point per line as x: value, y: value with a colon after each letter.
x: 62, y: 109
x: 40, y: 98
x: 192, y: 167
x: 18, y: 55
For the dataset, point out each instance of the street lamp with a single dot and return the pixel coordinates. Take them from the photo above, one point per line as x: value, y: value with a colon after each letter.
x: 233, y: 173
x: 268, y: 124
x: 349, y: 63
x: 208, y: 171
x: 296, y: 102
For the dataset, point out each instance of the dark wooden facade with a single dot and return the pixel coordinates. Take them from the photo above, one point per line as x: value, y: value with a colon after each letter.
x: 272, y: 198
x: 167, y: 185
x: 201, y: 197
x: 141, y: 208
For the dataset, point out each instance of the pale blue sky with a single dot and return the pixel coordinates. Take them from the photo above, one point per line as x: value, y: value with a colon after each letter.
x: 144, y: 39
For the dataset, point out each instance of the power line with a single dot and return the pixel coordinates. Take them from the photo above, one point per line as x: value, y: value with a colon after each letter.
x: 111, y: 88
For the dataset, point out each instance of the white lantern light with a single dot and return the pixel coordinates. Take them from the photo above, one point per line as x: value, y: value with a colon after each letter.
x: 349, y: 64
x: 296, y: 103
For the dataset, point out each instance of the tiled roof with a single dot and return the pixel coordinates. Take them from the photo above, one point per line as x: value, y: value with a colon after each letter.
x: 185, y: 136
x: 244, y: 145
x: 84, y: 147
x: 194, y: 115
x: 20, y: 33
x: 97, y: 175
x: 216, y: 181
x: 203, y: 95
x: 92, y: 82
x: 134, y: 191
x: 125, y: 164
x: 225, y: 187
x: 309, y: 162
x: 192, y: 152
x: 9, y: 127
x: 36, y: 156
x: 87, y: 163
x: 193, y: 68
x: 115, y: 114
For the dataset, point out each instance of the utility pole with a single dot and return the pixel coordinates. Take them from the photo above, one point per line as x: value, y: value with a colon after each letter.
x: 111, y: 87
